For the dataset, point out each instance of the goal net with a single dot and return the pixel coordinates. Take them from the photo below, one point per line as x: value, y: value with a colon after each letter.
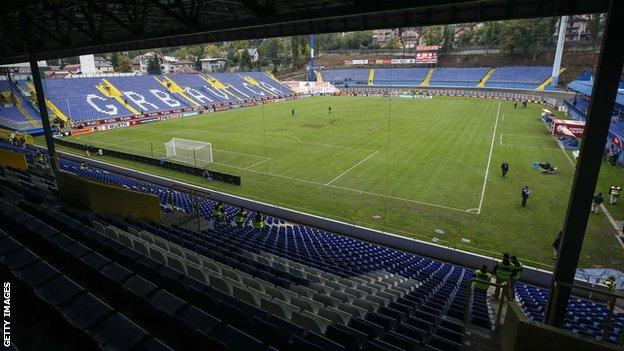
x: 191, y: 152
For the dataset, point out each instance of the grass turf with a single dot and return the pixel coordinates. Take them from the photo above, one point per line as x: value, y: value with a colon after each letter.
x: 420, y: 164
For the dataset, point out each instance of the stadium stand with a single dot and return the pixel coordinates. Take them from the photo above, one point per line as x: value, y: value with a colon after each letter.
x: 16, y: 112
x: 146, y: 94
x: 80, y: 100
x: 347, y: 76
x: 518, y: 77
x: 462, y: 77
x: 400, y: 76
x: 287, y: 286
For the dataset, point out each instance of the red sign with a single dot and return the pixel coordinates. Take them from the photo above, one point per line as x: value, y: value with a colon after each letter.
x: 558, y: 126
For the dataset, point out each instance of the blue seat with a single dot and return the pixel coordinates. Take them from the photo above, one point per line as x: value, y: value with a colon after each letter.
x: 236, y: 339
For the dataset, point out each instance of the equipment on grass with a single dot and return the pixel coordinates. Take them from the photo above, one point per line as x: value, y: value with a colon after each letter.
x: 545, y: 167
x: 191, y: 152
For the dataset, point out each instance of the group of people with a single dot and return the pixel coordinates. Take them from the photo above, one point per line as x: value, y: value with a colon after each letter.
x: 614, y: 195
x: 611, y: 155
x: 220, y: 215
x: 523, y: 104
x: 506, y: 271
x: 17, y: 140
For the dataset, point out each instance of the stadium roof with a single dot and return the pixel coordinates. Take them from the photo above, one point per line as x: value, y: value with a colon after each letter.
x: 61, y: 28
x: 586, y: 87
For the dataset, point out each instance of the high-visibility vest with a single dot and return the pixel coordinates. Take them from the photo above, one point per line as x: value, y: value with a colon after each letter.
x: 610, y: 283
x: 258, y: 224
x: 240, y: 218
x: 615, y: 190
x: 504, y: 271
x: 517, y: 271
x: 481, y: 279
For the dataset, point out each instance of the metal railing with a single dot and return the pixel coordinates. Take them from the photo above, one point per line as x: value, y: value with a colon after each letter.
x: 505, y: 291
x: 195, y: 195
x: 611, y: 300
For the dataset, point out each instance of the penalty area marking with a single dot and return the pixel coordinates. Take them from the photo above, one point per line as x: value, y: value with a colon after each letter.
x: 487, y: 168
x: 257, y: 163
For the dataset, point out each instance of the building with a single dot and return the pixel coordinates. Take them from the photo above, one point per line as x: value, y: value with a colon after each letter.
x: 210, y: 65
x: 182, y: 66
x: 576, y: 30
x: 102, y: 65
x: 383, y: 36
x: 410, y: 36
x: 141, y: 62
x: 253, y: 53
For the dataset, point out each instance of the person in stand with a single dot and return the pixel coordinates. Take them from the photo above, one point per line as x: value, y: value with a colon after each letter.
x: 610, y: 284
x: 258, y: 221
x: 515, y: 275
x: 241, y: 216
x: 481, y: 277
x: 503, y: 271
x: 525, y: 192
x: 505, y: 168
x: 598, y: 200
x: 218, y: 212
x: 22, y: 141
x: 556, y: 244
x: 606, y: 154
x: 614, y: 193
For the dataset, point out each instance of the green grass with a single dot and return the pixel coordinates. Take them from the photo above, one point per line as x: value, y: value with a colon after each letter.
x: 420, y: 164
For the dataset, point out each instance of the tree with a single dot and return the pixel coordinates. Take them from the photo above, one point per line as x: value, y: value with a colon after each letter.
x: 245, y: 59
x: 394, y: 43
x: 529, y: 36
x: 433, y: 35
x: 211, y: 50
x: 271, y: 51
x: 466, y: 38
x: 594, y: 26
x: 153, y: 67
x: 489, y: 34
x: 124, y: 64
x: 114, y: 59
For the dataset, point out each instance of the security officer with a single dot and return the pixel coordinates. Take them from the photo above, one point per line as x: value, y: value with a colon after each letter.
x: 614, y: 193
x: 218, y: 213
x: 241, y: 215
x: 481, y: 277
x: 610, y: 283
x: 503, y: 271
x: 515, y: 275
x: 258, y: 221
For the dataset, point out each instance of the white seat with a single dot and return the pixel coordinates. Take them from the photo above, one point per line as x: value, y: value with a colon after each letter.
x: 376, y: 299
x: 160, y: 242
x: 112, y: 233
x: 357, y: 293
x: 320, y: 288
x: 302, y: 291
x: 288, y: 308
x: 278, y: 293
x: 336, y: 286
x: 176, y: 262
x: 344, y: 297
x: 192, y: 257
x: 253, y: 283
x: 219, y: 284
x: 367, y: 305
x: 210, y: 264
x: 197, y: 272
x: 353, y: 309
x: 228, y: 272
x: 388, y: 295
x: 274, y: 308
x: 134, y: 231
x: 244, y: 295
x: 233, y: 282
x: 147, y: 236
x: 326, y: 300
x: 158, y: 254
x: 141, y: 246
x: 176, y: 249
x: 335, y: 315
x: 99, y: 227
x: 305, y: 303
x: 311, y: 321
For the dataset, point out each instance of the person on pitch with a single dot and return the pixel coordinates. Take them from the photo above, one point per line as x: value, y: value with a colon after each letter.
x: 505, y: 168
x: 614, y: 193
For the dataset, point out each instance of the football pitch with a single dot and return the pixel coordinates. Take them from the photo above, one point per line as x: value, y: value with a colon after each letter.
x: 406, y: 166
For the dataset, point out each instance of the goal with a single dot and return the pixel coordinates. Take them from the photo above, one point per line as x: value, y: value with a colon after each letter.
x: 191, y: 152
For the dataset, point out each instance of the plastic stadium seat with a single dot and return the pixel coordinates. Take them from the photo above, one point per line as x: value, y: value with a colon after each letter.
x: 324, y: 343
x: 59, y: 290
x: 18, y: 258
x: 153, y: 345
x: 116, y: 273
x: 300, y: 344
x: 37, y: 273
x: 310, y: 321
x: 366, y: 327
x: 305, y: 304
x: 412, y: 332
x: 197, y: 319
x: 85, y: 311
x: 444, y: 344
x: 418, y: 323
x: 166, y: 302
x: 351, y: 338
x: 380, y: 345
x: 385, y: 322
x: 402, y: 341
x: 352, y: 309
x: 139, y: 286
x: 118, y: 333
x: 236, y: 339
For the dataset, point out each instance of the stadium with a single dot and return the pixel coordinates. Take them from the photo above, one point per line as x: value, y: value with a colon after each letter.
x: 322, y: 196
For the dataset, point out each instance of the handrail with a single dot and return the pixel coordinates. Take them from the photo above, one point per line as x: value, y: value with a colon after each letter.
x: 505, y: 288
x: 195, y: 196
x: 611, y: 296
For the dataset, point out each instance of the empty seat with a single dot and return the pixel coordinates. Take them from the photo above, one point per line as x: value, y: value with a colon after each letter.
x: 334, y: 314
x: 344, y: 335
x: 236, y: 339
x: 310, y: 321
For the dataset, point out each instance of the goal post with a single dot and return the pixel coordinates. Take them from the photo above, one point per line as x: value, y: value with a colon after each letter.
x: 196, y: 153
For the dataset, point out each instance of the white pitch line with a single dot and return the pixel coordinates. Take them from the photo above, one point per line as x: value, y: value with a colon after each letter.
x: 257, y: 163
x: 501, y: 139
x: 240, y: 153
x: 355, y: 165
x: 487, y: 169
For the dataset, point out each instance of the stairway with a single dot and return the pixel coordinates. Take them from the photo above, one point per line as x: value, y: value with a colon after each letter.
x: 216, y: 84
x: 319, y: 76
x: 174, y: 88
x: 485, y: 78
x: 425, y: 82
x: 548, y: 81
x: 371, y: 76
x: 109, y: 90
